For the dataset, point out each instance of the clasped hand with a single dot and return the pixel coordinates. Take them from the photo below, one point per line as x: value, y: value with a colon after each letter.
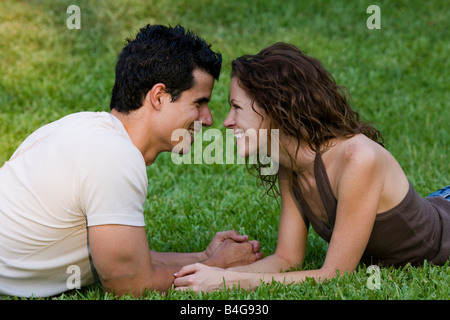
x: 227, y: 249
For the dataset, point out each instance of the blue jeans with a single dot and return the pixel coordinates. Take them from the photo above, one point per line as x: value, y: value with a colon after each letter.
x: 444, y: 193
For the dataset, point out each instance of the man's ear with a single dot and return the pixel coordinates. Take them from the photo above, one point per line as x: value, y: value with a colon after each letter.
x: 155, y: 96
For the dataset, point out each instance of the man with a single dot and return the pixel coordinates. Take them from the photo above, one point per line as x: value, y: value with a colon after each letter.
x: 71, y: 196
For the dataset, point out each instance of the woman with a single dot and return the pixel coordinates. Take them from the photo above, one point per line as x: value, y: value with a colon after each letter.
x: 334, y: 174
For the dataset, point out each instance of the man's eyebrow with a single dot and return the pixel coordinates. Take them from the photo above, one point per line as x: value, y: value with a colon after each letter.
x: 202, y: 100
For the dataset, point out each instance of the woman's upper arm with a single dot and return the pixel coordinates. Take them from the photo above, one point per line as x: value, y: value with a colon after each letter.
x: 359, y: 187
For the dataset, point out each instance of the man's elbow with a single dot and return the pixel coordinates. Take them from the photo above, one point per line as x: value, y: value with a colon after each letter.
x: 120, y: 280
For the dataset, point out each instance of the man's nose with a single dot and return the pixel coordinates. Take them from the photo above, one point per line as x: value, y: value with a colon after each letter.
x: 206, y: 116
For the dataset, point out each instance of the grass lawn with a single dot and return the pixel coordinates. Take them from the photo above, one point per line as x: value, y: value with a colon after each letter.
x: 398, y: 77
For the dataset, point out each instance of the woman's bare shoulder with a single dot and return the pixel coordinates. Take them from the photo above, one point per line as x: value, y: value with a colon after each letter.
x: 374, y: 160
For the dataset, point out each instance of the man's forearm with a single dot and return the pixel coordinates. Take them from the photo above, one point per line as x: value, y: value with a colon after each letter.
x: 175, y: 259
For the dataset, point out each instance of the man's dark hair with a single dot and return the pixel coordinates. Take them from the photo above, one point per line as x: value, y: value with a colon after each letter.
x: 160, y: 54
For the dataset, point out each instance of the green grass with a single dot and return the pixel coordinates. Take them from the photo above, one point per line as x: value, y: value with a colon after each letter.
x: 398, y: 77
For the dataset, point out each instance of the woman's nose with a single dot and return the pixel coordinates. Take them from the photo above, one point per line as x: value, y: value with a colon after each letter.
x: 229, y: 120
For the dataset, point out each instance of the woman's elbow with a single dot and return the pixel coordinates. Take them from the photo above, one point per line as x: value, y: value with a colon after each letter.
x: 289, y: 262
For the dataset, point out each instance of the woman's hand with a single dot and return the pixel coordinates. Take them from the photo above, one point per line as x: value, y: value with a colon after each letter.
x: 199, y: 277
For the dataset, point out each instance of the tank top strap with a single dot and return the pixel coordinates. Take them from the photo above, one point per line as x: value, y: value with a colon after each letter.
x: 308, y: 216
x: 325, y: 191
x: 327, y: 197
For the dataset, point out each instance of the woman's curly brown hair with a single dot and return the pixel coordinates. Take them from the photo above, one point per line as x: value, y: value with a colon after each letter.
x: 300, y: 97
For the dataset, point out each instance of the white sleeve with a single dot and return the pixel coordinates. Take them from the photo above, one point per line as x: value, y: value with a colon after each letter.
x: 113, y: 184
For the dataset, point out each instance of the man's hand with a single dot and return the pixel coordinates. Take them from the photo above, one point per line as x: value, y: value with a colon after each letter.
x: 228, y: 249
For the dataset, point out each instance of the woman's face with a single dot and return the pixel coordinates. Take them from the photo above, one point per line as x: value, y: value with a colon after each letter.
x: 246, y: 120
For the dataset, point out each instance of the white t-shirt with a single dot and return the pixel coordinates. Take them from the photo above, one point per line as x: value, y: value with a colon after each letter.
x: 80, y: 171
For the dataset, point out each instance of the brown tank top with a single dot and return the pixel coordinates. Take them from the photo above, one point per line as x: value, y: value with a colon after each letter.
x: 415, y: 230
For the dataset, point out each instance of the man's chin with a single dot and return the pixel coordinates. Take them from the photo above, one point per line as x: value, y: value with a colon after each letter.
x: 184, y: 150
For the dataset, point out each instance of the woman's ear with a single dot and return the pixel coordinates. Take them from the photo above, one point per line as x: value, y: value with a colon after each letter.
x: 155, y: 96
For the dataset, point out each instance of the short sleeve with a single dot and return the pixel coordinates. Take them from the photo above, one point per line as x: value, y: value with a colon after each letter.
x: 113, y: 183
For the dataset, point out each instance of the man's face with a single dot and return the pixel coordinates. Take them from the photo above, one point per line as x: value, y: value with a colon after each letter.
x: 191, y: 106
